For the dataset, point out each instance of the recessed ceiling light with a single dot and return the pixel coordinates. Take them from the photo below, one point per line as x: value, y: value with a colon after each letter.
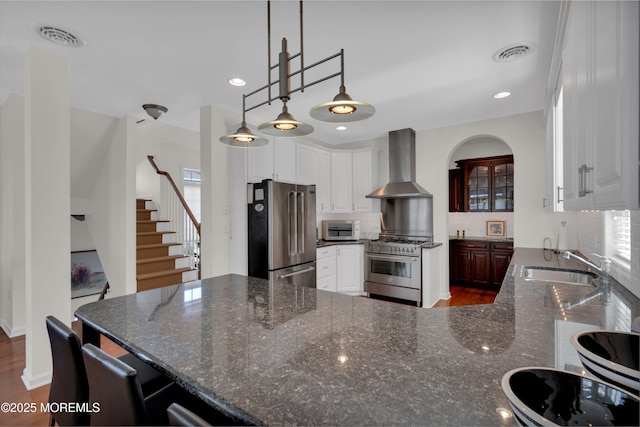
x: 237, y: 81
x: 500, y: 95
x: 341, y: 128
x: 60, y: 36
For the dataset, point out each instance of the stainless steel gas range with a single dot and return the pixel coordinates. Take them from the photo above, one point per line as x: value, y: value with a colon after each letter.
x: 393, y: 264
x: 393, y: 267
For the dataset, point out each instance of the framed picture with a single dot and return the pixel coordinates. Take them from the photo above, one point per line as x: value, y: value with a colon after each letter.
x: 496, y: 228
x: 87, y: 274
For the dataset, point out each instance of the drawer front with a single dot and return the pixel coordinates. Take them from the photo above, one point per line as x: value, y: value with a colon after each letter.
x: 326, y: 251
x: 464, y: 244
x: 328, y: 283
x: 325, y: 267
x: 502, y: 246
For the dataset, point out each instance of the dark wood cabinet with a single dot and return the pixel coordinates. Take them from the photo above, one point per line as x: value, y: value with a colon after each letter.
x: 500, y: 259
x: 477, y: 263
x: 455, y: 190
x: 482, y: 185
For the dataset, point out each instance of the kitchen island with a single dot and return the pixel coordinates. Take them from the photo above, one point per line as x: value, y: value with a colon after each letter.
x: 271, y: 354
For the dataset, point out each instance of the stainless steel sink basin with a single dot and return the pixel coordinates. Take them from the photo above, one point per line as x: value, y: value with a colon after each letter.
x: 546, y: 274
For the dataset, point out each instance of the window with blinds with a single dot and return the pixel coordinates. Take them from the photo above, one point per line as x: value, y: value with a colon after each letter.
x: 619, y: 233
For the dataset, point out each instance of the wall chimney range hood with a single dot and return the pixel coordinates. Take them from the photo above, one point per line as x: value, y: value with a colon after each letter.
x: 402, y: 168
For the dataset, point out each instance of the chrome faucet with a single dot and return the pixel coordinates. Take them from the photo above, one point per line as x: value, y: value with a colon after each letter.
x: 603, y: 269
x: 603, y: 290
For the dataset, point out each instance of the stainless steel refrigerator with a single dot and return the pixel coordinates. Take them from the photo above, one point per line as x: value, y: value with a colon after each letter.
x: 282, y: 232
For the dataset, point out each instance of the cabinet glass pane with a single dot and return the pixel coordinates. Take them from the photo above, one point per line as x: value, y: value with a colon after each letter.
x: 502, y: 187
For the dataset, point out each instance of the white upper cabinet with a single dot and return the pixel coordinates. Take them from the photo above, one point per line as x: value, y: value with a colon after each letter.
x: 276, y: 160
x: 341, y: 181
x: 342, y: 177
x: 600, y: 83
x: 314, y: 167
x: 365, y: 180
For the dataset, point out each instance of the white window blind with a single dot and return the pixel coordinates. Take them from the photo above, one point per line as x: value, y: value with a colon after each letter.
x: 621, y: 235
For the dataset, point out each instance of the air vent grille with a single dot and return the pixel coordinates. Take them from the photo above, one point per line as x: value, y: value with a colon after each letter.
x: 60, y: 36
x: 513, y: 52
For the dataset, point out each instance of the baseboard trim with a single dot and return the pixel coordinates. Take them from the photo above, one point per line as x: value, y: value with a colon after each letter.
x: 12, y: 332
x: 31, y: 382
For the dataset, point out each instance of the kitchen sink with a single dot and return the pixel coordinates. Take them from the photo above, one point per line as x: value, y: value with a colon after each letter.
x: 547, y: 274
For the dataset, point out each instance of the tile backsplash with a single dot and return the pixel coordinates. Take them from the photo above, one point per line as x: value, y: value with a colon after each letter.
x: 474, y: 224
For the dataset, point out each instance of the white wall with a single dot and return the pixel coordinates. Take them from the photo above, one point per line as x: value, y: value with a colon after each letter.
x: 173, y: 149
x: 112, y: 221
x: 46, y: 173
x: 12, y: 218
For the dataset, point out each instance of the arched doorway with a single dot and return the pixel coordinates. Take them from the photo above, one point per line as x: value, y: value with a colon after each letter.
x: 481, y: 225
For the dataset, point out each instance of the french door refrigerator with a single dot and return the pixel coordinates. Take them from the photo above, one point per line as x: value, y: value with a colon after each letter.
x: 282, y: 232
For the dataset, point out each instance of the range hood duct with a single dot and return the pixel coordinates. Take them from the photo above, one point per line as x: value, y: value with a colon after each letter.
x: 402, y: 168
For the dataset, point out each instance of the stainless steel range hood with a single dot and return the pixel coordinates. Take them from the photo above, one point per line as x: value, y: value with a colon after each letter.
x: 402, y: 168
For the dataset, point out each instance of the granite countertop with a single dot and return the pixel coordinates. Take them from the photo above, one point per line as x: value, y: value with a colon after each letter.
x: 279, y: 354
x: 323, y: 243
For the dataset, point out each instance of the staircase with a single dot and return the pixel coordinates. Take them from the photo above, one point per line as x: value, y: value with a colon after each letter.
x: 159, y: 257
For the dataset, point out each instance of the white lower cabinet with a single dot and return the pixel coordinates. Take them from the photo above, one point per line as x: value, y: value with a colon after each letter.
x: 350, y: 269
x: 326, y: 268
x: 340, y: 269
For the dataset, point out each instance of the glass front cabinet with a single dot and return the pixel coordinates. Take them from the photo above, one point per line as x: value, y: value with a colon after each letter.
x: 486, y: 185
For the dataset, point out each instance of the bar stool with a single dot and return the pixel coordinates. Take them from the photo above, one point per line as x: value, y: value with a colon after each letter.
x: 114, y: 385
x: 69, y: 382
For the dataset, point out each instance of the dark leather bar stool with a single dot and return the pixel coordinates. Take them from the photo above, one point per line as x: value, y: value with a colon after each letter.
x: 69, y: 382
x: 181, y: 416
x: 115, y: 386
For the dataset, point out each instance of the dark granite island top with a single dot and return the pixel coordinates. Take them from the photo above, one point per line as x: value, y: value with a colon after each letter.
x: 287, y: 355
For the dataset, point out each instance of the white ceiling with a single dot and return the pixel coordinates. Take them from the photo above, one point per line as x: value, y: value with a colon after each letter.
x: 422, y: 64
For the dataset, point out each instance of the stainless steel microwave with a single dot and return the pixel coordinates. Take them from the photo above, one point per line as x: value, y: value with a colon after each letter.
x: 341, y: 229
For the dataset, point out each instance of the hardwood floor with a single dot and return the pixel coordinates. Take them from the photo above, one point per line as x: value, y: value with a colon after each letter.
x: 12, y: 389
x: 461, y: 295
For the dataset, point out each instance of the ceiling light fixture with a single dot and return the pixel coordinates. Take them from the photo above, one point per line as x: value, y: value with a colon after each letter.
x: 501, y: 95
x: 342, y: 109
x: 243, y: 137
x: 154, y: 110
x: 237, y: 81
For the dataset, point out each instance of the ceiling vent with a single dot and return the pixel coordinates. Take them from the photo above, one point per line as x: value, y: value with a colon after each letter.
x: 60, y: 36
x: 514, y: 52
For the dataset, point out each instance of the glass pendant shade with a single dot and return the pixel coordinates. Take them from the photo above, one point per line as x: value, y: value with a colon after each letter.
x: 243, y: 138
x: 285, y: 126
x: 343, y: 109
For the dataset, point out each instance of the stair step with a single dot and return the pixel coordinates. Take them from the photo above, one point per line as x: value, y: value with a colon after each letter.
x: 144, y: 204
x: 146, y: 214
x: 155, y: 237
x: 153, y: 225
x: 158, y: 250
x: 150, y: 265
x: 165, y: 278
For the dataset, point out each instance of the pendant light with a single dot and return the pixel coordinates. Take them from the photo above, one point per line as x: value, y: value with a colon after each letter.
x: 243, y: 137
x: 343, y: 109
x: 285, y: 126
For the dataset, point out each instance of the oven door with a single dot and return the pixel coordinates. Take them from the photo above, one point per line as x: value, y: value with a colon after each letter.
x: 393, y: 270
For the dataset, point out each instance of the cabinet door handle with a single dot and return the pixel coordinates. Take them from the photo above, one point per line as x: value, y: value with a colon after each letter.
x: 582, y: 182
x: 558, y: 194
